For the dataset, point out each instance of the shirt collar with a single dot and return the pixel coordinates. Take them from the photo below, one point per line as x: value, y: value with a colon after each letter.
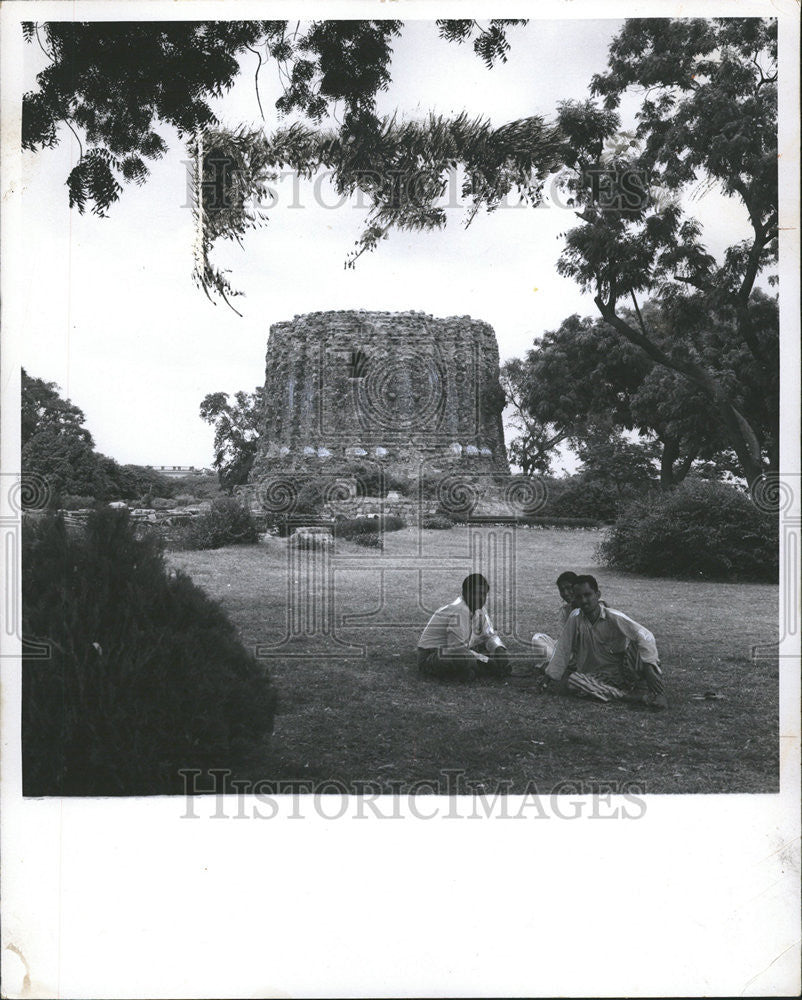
x: 462, y: 604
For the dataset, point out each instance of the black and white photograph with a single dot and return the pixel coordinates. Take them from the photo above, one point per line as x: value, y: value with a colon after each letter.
x: 400, y: 423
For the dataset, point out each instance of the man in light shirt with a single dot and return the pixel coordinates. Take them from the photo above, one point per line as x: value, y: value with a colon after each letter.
x: 460, y: 641
x: 604, y: 654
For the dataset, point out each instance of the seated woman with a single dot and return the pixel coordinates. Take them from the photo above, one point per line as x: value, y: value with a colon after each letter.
x: 460, y: 641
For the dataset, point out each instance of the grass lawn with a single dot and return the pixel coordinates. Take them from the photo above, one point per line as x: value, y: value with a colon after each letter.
x: 352, y: 708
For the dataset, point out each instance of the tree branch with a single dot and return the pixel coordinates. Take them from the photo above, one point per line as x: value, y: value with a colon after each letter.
x: 744, y: 439
x: 256, y: 80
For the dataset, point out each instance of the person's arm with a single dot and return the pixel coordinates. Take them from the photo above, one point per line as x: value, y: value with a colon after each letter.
x: 457, y: 637
x: 558, y: 664
x: 645, y: 641
x: 492, y: 639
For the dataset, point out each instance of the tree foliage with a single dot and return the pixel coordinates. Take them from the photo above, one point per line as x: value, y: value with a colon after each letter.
x: 115, y: 83
x: 536, y: 439
x: 57, y: 446
x: 236, y: 430
x: 585, y: 376
x: 43, y: 409
x: 708, y: 115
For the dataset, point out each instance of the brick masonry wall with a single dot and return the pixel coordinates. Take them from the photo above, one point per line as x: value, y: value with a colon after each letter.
x: 402, y: 389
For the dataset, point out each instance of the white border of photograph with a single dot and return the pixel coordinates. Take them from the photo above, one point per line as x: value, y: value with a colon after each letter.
x: 691, y: 895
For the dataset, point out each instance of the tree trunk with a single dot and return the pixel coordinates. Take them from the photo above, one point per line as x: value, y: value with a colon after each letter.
x: 681, y: 471
x: 742, y: 437
x: 667, y: 459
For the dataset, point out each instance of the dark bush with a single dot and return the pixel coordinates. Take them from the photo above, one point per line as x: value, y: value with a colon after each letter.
x: 145, y: 674
x: 579, y: 497
x: 700, y: 529
x: 436, y: 522
x: 204, y: 486
x: 228, y: 523
x: 369, y: 541
x: 356, y: 526
x: 138, y: 481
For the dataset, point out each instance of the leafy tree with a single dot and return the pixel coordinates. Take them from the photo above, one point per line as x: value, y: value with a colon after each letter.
x: 55, y: 442
x: 585, y: 375
x: 236, y: 432
x: 68, y: 463
x: 57, y: 446
x: 613, y: 461
x: 708, y: 114
x: 114, y: 83
x: 116, y: 86
x: 44, y: 409
x: 537, y: 439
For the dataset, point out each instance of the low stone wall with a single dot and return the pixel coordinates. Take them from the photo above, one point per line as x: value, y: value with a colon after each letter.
x: 409, y: 510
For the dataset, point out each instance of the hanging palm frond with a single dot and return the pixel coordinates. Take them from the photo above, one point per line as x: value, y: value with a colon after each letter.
x: 403, y: 167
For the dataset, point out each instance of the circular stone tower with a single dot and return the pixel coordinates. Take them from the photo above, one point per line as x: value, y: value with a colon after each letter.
x: 404, y: 389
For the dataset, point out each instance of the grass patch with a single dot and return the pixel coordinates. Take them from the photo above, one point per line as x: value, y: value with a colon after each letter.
x: 370, y: 718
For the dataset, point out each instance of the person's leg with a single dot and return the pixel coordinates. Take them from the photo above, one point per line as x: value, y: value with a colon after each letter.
x: 447, y: 667
x: 647, y: 676
x: 592, y: 686
x: 425, y: 658
x: 543, y: 647
x: 498, y: 664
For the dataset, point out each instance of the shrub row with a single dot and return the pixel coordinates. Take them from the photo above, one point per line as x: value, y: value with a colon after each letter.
x: 143, y: 673
x: 700, y: 529
x: 229, y: 522
x: 437, y: 522
x: 359, y: 527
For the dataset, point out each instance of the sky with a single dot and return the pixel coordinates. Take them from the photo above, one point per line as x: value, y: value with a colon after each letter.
x: 112, y: 316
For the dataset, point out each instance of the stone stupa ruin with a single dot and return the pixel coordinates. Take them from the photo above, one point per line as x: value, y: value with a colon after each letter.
x: 406, y: 390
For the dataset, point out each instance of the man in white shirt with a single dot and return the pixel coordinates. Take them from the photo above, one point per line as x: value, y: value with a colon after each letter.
x: 603, y: 653
x: 460, y: 641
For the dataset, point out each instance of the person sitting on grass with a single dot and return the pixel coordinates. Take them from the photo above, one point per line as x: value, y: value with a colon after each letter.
x: 543, y: 645
x: 604, y: 654
x: 565, y: 585
x: 460, y: 641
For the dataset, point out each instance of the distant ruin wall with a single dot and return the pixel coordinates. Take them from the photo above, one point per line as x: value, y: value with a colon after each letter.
x: 402, y: 389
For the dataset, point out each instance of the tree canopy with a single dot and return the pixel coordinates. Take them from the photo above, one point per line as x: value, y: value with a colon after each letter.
x: 585, y: 381
x: 115, y: 83
x: 708, y: 115
x: 57, y: 446
x: 236, y: 433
